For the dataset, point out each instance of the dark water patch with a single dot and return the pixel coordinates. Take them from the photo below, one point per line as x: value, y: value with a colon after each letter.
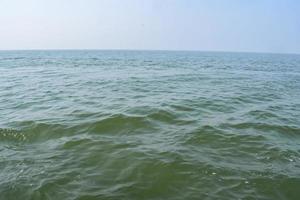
x: 77, y: 142
x: 241, y: 100
x: 164, y: 116
x: 183, y: 108
x: 262, y: 115
x: 276, y: 187
x: 205, y: 135
x: 12, y: 58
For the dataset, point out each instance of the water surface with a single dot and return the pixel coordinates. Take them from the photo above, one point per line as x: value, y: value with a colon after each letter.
x: 149, y: 125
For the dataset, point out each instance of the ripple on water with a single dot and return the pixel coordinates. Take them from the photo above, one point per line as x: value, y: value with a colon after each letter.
x: 149, y: 125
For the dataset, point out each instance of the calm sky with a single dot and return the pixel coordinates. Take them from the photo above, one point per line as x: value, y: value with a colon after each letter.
x: 214, y: 25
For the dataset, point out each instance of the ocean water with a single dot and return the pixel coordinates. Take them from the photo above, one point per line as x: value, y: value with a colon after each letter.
x: 149, y: 125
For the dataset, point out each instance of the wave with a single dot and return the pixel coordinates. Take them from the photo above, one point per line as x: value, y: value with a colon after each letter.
x: 33, y: 131
x: 118, y: 123
x: 11, y: 135
x: 266, y: 127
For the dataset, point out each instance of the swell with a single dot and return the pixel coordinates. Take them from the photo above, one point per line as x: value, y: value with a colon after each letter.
x: 149, y: 122
x: 118, y: 123
x: 11, y: 135
x: 265, y: 127
x: 32, y: 131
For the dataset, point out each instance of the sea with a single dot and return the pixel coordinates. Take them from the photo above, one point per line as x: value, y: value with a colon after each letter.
x: 149, y: 125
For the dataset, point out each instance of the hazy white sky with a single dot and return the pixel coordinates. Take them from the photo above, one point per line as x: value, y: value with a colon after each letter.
x: 218, y: 25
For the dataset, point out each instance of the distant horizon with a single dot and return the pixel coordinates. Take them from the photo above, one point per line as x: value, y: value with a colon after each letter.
x: 166, y: 50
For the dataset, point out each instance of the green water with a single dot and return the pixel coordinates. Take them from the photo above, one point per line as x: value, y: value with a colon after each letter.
x: 149, y: 125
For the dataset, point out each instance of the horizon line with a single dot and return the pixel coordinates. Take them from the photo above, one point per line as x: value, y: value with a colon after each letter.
x: 166, y: 50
